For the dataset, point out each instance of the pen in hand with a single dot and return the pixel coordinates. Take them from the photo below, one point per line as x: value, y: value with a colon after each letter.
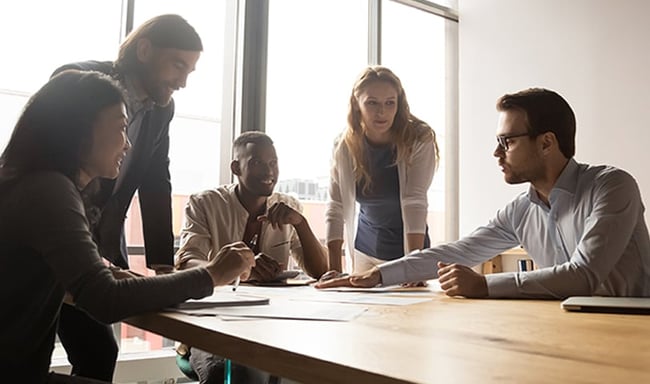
x: 234, y: 287
x: 251, y: 245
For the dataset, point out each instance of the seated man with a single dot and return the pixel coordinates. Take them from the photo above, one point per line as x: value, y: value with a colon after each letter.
x: 582, y: 225
x: 270, y: 222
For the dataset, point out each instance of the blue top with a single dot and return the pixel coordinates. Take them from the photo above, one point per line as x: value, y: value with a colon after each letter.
x: 380, y: 231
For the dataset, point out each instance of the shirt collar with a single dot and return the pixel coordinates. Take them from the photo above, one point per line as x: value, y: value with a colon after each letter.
x: 568, y: 179
x: 240, y: 207
x: 567, y: 182
x: 134, y: 103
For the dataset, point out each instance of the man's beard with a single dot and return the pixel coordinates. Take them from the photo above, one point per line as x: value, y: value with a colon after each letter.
x: 156, y: 90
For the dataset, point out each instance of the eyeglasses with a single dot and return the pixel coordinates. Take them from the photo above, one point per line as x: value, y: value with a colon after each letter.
x: 503, y: 140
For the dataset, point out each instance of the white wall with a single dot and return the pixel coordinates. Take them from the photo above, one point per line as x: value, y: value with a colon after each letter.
x: 595, y: 53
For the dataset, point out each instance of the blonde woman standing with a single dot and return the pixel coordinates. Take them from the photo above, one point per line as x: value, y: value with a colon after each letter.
x: 384, y: 161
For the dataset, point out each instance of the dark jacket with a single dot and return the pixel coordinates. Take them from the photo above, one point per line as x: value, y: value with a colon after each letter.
x: 148, y: 173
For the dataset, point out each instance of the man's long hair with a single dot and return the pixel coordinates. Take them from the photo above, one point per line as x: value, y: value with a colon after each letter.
x: 164, y: 31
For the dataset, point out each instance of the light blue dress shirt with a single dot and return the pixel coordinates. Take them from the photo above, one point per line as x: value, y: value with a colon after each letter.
x: 592, y: 240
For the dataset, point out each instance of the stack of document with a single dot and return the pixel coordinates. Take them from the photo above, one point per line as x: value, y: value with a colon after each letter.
x: 303, y: 303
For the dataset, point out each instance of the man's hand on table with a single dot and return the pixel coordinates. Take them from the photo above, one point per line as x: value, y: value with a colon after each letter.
x: 368, y: 279
x: 460, y: 280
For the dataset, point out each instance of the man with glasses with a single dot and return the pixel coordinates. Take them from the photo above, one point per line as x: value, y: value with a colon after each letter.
x: 582, y: 225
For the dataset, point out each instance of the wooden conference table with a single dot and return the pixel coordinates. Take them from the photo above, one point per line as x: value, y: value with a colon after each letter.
x: 445, y: 340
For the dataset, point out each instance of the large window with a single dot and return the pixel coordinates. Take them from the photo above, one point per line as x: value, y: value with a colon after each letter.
x: 313, y: 61
x: 36, y: 42
x: 420, y: 64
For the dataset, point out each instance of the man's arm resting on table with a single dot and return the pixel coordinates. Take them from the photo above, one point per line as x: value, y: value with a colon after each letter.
x: 368, y: 279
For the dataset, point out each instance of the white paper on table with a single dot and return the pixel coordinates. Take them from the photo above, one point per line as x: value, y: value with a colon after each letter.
x: 286, y: 310
x: 360, y: 298
x: 389, y: 289
x: 378, y: 296
x: 274, y: 291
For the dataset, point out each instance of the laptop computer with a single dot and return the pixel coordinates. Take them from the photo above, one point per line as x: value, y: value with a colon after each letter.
x: 629, y: 305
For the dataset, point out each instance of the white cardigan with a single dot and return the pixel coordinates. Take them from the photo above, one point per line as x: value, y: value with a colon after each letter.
x: 415, y: 176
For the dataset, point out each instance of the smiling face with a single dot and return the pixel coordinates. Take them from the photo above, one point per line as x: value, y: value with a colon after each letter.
x: 377, y: 104
x: 256, y: 168
x: 109, y: 144
x: 522, y: 162
x: 165, y: 70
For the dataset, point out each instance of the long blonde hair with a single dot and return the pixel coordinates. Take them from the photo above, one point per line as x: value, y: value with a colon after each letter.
x: 405, y: 131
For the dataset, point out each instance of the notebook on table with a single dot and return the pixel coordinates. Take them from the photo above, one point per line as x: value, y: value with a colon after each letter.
x: 630, y: 305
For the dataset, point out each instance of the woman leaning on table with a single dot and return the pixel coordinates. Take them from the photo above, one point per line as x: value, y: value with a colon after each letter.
x: 72, y: 131
x: 385, y: 161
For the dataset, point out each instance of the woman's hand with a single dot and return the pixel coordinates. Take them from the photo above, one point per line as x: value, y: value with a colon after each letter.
x: 233, y: 260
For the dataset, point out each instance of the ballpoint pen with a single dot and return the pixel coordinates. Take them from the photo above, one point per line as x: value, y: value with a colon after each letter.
x: 280, y: 244
x: 251, y: 245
